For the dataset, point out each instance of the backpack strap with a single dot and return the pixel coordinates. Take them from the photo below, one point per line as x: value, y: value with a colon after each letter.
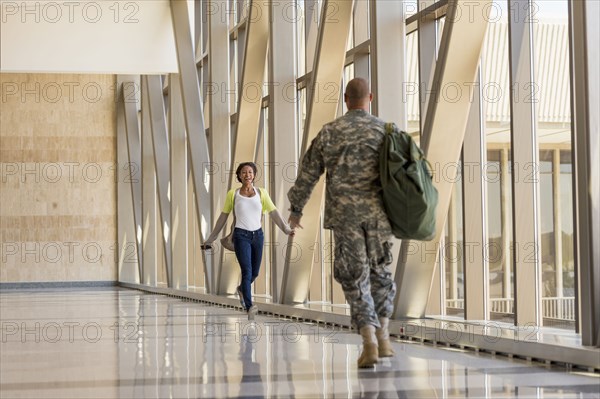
x: 389, y: 127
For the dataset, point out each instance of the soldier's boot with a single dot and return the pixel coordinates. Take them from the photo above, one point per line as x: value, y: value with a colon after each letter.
x: 383, y: 338
x: 369, y: 355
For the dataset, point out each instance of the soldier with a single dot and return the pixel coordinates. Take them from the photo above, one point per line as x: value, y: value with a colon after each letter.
x: 348, y: 149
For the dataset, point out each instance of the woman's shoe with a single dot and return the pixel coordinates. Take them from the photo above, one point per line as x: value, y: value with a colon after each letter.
x: 252, y: 312
x: 241, y: 296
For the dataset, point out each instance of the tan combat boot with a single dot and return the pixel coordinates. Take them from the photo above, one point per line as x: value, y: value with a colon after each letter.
x: 369, y: 355
x: 383, y: 338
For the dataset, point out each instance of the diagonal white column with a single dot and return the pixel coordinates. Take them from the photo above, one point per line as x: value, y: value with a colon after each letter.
x: 193, y: 114
x: 322, y: 108
x: 388, y: 61
x: 179, y: 187
x: 149, y: 224
x: 128, y: 102
x: 475, y: 219
x: 525, y: 167
x: 248, y: 116
x: 443, y: 134
x: 388, y: 69
x: 125, y: 172
x: 215, y: 85
x: 282, y: 125
x: 162, y: 167
x: 585, y: 83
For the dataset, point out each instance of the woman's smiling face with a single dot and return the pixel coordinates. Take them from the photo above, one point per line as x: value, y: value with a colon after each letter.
x: 247, y: 174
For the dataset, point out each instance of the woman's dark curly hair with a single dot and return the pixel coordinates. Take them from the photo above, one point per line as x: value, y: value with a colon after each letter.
x: 241, y: 166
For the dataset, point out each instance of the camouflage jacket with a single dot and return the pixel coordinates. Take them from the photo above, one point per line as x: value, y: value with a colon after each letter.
x: 348, y: 149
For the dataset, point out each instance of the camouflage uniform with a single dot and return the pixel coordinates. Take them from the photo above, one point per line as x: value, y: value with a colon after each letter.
x: 348, y: 148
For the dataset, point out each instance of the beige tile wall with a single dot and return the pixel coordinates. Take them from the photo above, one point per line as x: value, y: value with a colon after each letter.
x: 57, y: 178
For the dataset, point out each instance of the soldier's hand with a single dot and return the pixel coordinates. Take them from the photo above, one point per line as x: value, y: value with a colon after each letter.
x: 294, y: 222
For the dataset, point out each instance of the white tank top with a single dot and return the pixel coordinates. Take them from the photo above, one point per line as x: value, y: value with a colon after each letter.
x: 248, y: 211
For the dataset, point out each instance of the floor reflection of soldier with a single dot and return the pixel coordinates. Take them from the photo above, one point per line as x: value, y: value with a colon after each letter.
x: 251, y: 384
x: 383, y: 384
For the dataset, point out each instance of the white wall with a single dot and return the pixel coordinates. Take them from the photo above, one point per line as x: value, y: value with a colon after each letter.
x: 103, y: 36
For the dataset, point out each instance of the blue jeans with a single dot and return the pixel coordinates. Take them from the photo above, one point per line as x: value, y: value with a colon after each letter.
x: 248, y: 250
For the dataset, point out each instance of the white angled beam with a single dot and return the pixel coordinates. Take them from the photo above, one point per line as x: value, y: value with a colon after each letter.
x: 427, y: 50
x: 216, y: 85
x: 525, y: 167
x: 248, y: 114
x: 252, y: 82
x: 178, y: 155
x: 388, y: 68
x: 311, y: 32
x: 126, y: 232
x: 193, y: 115
x: 360, y: 34
x: 585, y: 83
x: 443, y: 135
x: 129, y: 102
x: 161, y: 159
x: 388, y: 61
x: 324, y: 94
x: 282, y: 125
x: 475, y: 219
x: 149, y: 223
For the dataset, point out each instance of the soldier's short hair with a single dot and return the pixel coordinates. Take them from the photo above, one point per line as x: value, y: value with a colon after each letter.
x: 357, y: 89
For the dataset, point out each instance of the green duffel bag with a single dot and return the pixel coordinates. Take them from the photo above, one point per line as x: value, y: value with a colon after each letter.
x: 409, y: 196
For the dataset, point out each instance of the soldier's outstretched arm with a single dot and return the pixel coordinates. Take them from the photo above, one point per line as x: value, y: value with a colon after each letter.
x: 311, y: 169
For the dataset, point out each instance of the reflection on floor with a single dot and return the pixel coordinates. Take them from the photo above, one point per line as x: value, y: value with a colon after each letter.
x: 119, y: 343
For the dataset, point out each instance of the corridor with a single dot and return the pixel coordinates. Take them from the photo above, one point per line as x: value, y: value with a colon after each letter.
x: 116, y: 342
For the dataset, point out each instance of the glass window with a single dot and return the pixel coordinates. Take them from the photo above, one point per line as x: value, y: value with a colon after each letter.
x: 452, y: 259
x: 500, y: 235
x: 411, y: 87
x: 552, y: 97
x: 300, y: 38
x: 453, y: 251
x: 495, y: 96
x: 547, y: 235
x: 566, y: 232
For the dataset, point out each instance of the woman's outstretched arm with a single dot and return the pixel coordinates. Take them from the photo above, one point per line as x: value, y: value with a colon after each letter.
x: 220, y: 223
x: 276, y: 216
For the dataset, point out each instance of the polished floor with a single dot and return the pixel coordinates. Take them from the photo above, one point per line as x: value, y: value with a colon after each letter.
x: 119, y: 343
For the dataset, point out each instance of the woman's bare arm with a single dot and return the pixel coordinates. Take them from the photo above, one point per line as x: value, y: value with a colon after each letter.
x: 276, y: 216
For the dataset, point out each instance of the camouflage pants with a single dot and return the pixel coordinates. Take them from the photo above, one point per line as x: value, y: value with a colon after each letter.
x: 361, y: 266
